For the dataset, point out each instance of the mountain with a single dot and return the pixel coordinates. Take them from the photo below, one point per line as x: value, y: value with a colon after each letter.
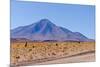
x: 45, y: 30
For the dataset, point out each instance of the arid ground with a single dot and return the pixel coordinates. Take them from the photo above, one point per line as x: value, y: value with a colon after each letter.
x: 36, y: 53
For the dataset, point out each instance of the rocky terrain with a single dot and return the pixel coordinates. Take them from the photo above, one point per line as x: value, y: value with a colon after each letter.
x: 32, y: 53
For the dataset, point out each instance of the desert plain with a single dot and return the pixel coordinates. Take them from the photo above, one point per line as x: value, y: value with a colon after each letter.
x: 38, y: 53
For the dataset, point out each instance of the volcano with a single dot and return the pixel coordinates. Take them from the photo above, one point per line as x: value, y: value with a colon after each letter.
x: 45, y: 30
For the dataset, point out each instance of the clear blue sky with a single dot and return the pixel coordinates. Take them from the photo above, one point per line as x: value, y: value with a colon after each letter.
x: 77, y: 18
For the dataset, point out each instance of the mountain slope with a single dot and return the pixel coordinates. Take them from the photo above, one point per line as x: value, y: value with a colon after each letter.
x: 46, y: 30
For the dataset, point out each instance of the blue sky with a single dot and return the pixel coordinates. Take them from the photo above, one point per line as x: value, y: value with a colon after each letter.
x: 77, y: 18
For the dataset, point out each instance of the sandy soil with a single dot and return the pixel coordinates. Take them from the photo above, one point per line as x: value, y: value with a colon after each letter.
x: 89, y: 57
x: 36, y: 53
